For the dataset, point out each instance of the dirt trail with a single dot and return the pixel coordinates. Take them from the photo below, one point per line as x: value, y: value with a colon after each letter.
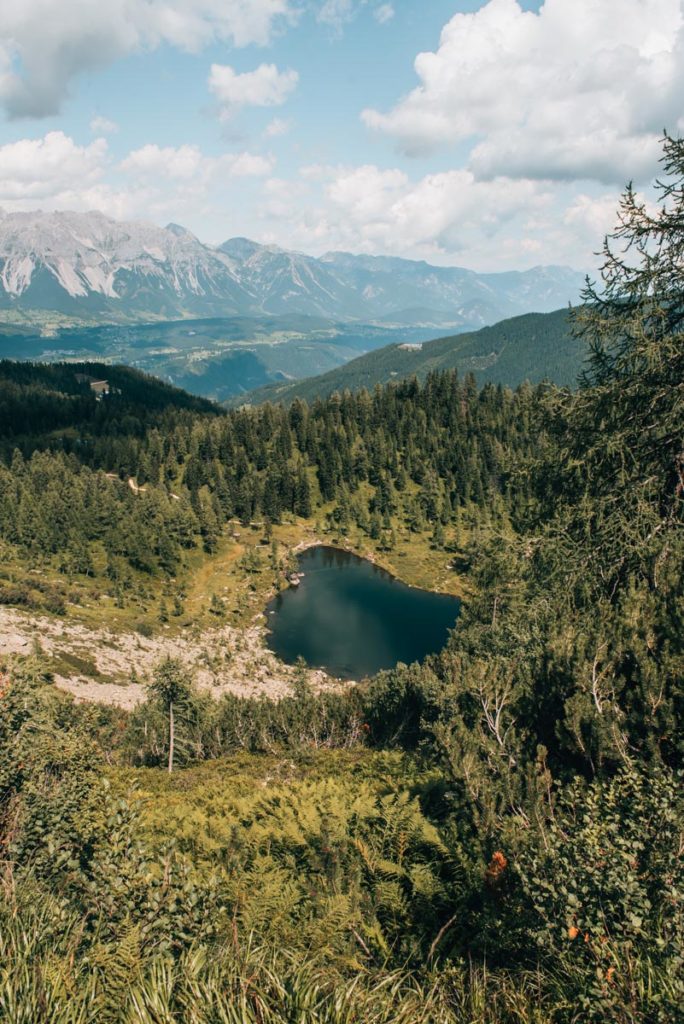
x: 97, y: 665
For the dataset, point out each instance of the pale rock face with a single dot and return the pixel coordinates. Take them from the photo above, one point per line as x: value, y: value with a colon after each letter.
x: 16, y: 274
x: 86, y: 252
x: 89, y: 264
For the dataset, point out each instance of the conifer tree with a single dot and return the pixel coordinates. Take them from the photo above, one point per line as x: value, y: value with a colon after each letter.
x: 171, y: 688
x: 622, y: 434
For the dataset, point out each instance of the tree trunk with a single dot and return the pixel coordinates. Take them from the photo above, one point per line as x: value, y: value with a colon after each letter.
x: 171, y: 737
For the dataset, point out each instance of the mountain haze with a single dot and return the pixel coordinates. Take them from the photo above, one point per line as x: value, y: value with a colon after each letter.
x: 88, y: 267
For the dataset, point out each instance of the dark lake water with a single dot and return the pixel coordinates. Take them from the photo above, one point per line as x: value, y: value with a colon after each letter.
x: 352, y: 618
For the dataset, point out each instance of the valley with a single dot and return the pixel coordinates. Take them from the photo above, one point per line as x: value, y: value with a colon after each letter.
x: 217, y: 358
x: 223, y: 321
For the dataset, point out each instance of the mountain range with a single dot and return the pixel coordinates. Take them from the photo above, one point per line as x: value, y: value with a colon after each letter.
x: 88, y: 268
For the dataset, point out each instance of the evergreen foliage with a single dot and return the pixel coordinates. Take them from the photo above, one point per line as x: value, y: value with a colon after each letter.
x: 126, y: 484
x: 493, y: 836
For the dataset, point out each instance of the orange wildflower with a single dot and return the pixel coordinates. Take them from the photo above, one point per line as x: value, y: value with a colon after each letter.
x: 573, y: 932
x: 496, y: 868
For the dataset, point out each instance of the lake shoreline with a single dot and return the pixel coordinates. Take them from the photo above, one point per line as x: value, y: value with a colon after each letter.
x: 352, y: 626
x: 374, y: 559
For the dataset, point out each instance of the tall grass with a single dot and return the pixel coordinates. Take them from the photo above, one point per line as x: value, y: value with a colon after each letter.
x: 50, y: 975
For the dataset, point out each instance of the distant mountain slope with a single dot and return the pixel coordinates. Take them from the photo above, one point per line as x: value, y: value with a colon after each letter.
x: 407, y: 289
x: 86, y: 267
x: 533, y: 347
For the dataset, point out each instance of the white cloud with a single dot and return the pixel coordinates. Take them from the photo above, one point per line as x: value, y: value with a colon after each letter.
x: 182, y: 163
x: 157, y: 182
x: 249, y: 165
x: 368, y: 194
x: 383, y: 210
x: 446, y: 218
x: 266, y: 86
x: 277, y: 127
x: 337, y: 13
x: 581, y: 89
x: 103, y: 126
x: 54, y: 173
x: 318, y: 172
x: 384, y: 13
x: 188, y: 163
x: 36, y: 169
x: 279, y: 197
x: 590, y: 218
x: 44, y: 44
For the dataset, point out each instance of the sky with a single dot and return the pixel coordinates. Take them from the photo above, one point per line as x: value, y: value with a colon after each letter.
x: 491, y: 135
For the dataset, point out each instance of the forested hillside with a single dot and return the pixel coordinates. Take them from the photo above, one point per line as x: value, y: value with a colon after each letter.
x: 493, y: 836
x: 428, y: 450
x: 534, y: 347
x: 39, y: 398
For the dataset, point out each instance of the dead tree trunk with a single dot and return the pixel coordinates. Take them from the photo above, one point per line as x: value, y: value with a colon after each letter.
x: 171, y: 737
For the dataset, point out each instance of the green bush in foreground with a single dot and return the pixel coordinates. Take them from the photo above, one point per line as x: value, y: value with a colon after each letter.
x: 319, y: 887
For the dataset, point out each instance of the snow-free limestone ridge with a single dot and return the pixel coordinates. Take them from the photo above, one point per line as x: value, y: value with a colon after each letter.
x: 89, y: 266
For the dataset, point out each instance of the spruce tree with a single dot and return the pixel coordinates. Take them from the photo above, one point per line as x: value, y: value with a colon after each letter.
x: 622, y: 434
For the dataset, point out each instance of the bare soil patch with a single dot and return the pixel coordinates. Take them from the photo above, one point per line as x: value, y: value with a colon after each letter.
x: 113, y: 667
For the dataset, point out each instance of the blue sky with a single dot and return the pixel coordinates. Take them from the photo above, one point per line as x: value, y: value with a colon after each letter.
x: 162, y: 95
x: 487, y: 134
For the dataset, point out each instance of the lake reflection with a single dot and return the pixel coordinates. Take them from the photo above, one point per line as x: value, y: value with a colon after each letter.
x: 352, y: 618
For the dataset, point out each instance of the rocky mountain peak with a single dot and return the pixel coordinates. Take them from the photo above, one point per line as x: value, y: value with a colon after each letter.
x: 90, y: 265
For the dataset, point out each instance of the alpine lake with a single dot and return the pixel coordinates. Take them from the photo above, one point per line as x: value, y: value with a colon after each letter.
x: 352, y: 619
